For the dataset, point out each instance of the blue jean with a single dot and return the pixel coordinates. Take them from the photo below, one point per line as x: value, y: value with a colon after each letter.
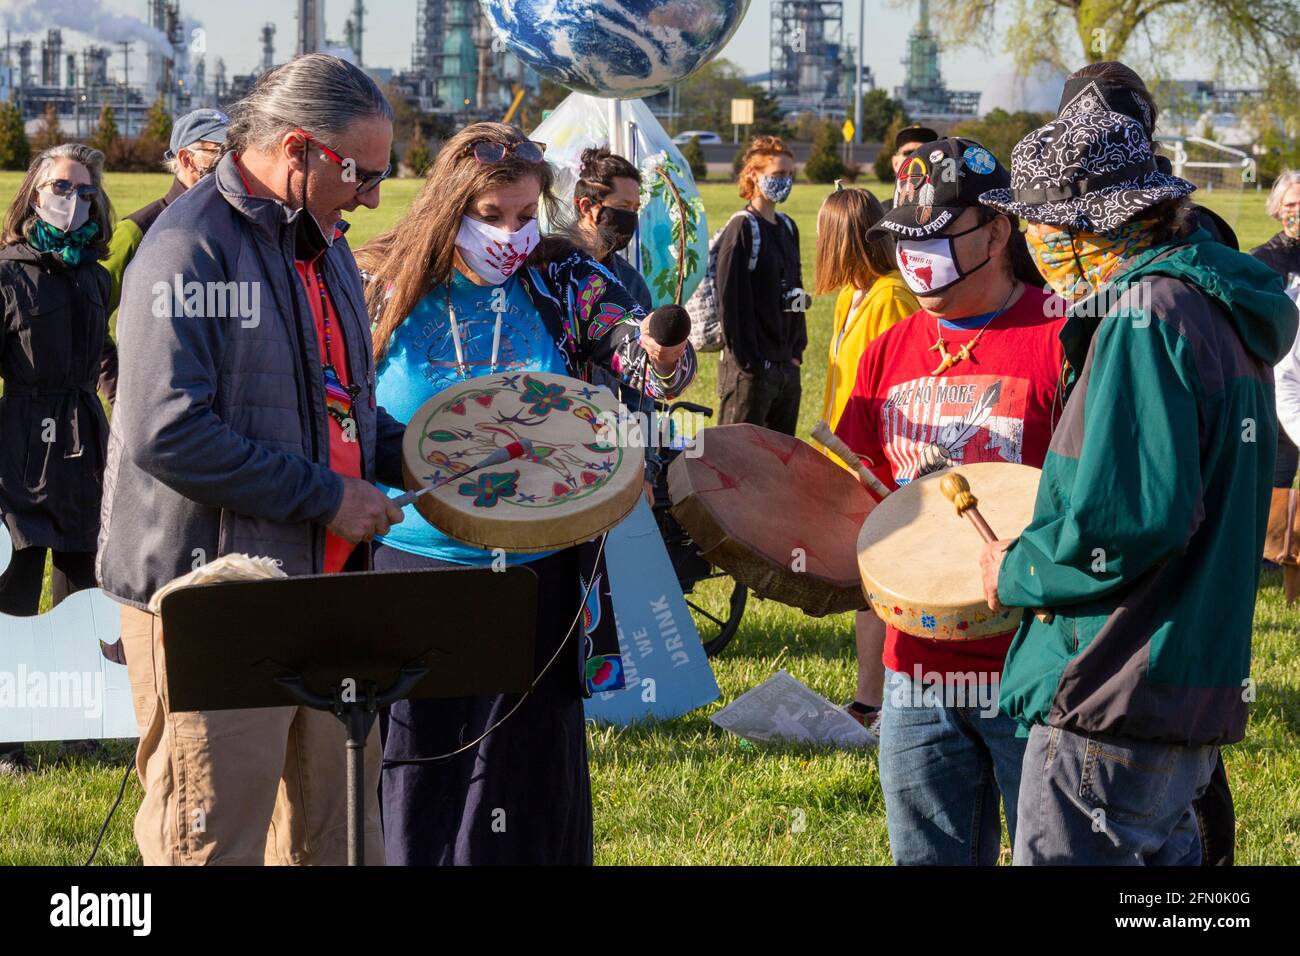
x: 942, y: 769
x: 1108, y: 801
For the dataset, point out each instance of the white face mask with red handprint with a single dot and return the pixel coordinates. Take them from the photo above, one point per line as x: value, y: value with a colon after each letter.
x: 492, y: 252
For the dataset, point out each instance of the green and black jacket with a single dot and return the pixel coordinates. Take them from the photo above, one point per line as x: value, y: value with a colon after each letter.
x: 1151, y: 512
x: 126, y: 239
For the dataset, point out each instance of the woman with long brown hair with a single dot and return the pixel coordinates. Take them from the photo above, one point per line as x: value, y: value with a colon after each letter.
x: 54, y: 351
x: 513, y: 785
x: 872, y: 298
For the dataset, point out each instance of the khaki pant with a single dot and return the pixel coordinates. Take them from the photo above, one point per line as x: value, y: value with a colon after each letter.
x: 239, y: 787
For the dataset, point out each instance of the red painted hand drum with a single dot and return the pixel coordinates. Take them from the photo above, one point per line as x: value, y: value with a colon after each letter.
x: 775, y: 514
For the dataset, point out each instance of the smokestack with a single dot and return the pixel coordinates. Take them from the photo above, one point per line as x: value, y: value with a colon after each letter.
x: 268, y: 47
x: 24, y: 62
x: 51, y: 57
x: 311, y: 26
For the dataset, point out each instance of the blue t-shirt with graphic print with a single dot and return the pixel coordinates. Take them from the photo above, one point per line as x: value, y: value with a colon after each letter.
x: 421, y: 362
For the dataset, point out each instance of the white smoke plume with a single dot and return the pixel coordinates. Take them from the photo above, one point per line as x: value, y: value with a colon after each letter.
x: 84, y: 16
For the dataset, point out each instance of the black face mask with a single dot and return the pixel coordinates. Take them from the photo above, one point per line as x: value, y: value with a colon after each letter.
x: 309, y: 239
x: 615, y: 227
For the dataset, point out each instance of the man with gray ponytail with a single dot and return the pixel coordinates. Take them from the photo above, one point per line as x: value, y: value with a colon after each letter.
x: 246, y: 422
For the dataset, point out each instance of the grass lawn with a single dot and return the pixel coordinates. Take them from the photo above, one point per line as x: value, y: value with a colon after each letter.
x: 684, y: 791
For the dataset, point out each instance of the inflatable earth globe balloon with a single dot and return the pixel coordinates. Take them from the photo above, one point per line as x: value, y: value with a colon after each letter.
x: 619, y: 49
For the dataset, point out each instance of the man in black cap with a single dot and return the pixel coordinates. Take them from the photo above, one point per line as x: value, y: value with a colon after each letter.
x: 908, y: 141
x: 197, y: 138
x: 971, y: 377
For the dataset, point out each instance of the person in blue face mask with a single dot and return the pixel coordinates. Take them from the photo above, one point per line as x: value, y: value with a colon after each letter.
x: 760, y: 295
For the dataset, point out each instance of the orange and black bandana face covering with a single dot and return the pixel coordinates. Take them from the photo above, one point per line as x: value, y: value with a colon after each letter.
x: 1076, y: 264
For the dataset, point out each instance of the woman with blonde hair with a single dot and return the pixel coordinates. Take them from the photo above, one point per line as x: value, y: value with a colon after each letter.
x: 872, y: 298
x: 760, y: 298
x: 500, y: 779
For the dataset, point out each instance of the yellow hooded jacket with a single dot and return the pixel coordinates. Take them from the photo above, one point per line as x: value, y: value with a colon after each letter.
x: 887, y: 302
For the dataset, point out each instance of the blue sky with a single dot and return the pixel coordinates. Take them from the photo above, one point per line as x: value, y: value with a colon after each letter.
x: 233, y: 27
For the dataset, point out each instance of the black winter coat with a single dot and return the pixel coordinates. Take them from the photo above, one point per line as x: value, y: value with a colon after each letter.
x: 54, y: 350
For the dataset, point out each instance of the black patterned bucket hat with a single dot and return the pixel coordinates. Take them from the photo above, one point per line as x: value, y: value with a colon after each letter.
x: 1088, y: 170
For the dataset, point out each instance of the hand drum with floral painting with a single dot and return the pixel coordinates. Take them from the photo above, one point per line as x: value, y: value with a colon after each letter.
x: 579, y: 480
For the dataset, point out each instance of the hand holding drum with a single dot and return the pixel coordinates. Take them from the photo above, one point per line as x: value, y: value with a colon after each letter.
x: 957, y: 490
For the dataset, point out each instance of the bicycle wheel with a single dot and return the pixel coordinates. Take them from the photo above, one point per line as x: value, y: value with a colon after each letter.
x: 717, y: 604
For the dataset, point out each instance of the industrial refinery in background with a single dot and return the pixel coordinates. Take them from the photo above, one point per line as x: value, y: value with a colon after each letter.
x: 456, y: 70
x: 454, y: 67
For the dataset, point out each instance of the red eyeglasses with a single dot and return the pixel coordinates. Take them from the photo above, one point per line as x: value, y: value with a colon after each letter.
x: 366, y: 180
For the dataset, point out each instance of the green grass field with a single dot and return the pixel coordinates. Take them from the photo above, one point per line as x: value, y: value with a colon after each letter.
x: 684, y: 791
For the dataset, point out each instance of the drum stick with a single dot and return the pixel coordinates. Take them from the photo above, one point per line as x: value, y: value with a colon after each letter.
x: 822, y: 433
x: 516, y: 449
x: 956, y: 489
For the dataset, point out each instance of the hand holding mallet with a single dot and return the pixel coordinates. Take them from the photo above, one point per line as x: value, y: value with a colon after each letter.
x: 956, y: 489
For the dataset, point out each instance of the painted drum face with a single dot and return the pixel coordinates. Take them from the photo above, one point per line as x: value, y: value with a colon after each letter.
x: 581, y: 478
x: 919, y: 559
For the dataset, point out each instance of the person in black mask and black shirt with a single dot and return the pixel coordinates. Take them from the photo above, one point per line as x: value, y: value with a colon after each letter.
x: 607, y: 199
x: 760, y: 297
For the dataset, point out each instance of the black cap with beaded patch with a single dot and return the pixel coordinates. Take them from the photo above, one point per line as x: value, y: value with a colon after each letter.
x: 936, y: 183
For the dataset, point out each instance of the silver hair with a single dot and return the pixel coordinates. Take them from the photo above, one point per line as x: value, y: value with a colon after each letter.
x: 1285, y: 180
x: 21, y: 217
x: 88, y: 156
x: 315, y: 92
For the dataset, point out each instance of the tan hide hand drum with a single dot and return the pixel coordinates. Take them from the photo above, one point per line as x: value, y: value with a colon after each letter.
x: 577, y: 482
x: 775, y: 514
x: 920, y: 560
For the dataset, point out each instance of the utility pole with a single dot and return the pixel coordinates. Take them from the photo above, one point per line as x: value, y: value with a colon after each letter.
x: 857, y: 99
x: 126, y: 86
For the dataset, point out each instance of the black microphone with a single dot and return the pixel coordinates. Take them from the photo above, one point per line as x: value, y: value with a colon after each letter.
x: 670, y: 324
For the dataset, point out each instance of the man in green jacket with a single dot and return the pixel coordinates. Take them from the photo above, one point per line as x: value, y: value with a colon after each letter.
x: 1152, y: 507
x: 197, y: 138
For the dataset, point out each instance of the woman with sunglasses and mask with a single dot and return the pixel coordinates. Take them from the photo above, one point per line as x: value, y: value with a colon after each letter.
x: 513, y: 784
x: 55, y: 351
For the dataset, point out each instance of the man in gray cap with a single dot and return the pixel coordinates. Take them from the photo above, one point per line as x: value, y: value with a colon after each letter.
x: 197, y: 138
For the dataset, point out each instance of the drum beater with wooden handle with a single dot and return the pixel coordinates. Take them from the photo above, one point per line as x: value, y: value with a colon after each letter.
x: 822, y: 432
x: 956, y: 489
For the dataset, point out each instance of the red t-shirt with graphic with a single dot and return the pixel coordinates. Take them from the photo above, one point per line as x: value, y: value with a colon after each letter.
x: 997, y: 405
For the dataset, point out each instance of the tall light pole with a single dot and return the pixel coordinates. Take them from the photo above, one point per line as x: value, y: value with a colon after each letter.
x: 857, y: 100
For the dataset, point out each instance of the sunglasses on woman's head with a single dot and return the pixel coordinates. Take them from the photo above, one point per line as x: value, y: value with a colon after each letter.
x: 486, y: 151
x: 62, y: 187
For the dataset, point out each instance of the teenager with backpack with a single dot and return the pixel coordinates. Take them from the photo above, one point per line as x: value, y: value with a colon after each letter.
x: 760, y: 297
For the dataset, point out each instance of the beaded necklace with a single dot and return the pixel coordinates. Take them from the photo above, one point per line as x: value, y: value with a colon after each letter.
x: 340, y: 399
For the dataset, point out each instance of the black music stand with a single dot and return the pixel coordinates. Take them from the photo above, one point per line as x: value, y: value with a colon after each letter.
x: 350, y: 644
